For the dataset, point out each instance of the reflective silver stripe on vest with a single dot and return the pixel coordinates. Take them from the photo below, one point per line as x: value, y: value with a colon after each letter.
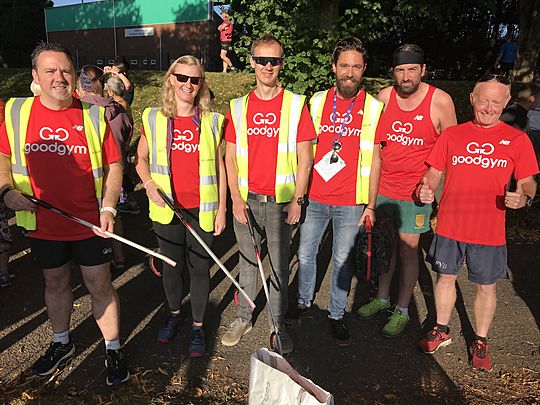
x: 241, y: 151
x: 97, y: 172
x: 206, y: 180
x: 17, y: 167
x: 316, y: 101
x: 242, y: 182
x: 215, y: 128
x: 237, y: 117
x: 208, y: 206
x: 93, y: 112
x: 283, y: 147
x: 154, y: 167
x: 285, y: 178
x: 294, y: 117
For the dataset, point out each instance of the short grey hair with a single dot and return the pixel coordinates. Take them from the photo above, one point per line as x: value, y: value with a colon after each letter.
x: 116, y: 86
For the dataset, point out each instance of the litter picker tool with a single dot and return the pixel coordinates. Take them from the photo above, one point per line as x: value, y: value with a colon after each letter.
x: 275, y: 341
x: 369, y: 232
x: 58, y: 211
x: 205, y: 246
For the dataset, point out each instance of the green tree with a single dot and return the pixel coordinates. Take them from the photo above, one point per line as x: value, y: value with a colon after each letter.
x: 529, y: 40
x: 23, y: 26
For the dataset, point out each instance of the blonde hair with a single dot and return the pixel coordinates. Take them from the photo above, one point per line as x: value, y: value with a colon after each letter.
x: 202, y: 100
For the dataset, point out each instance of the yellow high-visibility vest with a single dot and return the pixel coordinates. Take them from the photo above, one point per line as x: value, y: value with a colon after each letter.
x: 372, y: 112
x: 17, y: 117
x: 158, y: 133
x: 287, y: 161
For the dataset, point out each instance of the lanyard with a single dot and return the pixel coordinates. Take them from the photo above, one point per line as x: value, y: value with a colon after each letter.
x: 347, y: 114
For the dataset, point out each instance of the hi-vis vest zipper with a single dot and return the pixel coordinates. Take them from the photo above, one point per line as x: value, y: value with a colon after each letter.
x: 372, y: 111
x: 17, y: 117
x: 159, y: 135
x: 287, y: 161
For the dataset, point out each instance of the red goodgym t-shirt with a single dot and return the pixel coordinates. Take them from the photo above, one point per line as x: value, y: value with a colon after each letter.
x: 184, y: 163
x: 341, y: 188
x: 60, y: 170
x: 263, y: 118
x: 478, y: 163
x: 406, y: 138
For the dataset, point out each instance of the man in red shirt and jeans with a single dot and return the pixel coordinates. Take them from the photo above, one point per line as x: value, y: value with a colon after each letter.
x: 268, y: 158
x: 66, y: 155
x: 478, y: 158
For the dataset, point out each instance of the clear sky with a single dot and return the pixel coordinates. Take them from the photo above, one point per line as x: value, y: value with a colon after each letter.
x: 65, y: 2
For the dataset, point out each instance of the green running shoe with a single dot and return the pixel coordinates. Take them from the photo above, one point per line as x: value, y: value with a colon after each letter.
x: 373, y: 308
x: 395, y: 325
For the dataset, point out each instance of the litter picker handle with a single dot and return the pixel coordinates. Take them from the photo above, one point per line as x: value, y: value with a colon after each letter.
x: 58, y: 211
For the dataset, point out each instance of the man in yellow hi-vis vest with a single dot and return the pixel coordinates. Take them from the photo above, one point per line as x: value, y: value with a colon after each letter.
x: 61, y: 150
x: 268, y: 158
x: 344, y: 181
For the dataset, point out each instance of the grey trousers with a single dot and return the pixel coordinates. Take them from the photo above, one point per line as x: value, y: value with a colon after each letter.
x: 269, y: 220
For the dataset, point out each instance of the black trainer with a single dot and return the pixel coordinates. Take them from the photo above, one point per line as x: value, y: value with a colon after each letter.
x: 55, y: 354
x: 197, y: 346
x: 295, y: 313
x: 340, y: 332
x: 117, y: 371
x: 172, y: 324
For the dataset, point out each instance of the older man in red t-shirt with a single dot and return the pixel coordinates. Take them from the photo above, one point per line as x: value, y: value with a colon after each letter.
x: 478, y: 158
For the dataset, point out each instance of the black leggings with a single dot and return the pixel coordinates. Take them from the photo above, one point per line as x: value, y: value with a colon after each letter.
x: 176, y: 242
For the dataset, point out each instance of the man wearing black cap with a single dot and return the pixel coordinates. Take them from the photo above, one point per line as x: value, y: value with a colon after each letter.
x: 415, y: 114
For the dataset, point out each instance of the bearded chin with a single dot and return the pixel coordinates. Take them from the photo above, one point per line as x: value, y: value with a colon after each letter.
x: 408, y: 90
x: 347, y: 91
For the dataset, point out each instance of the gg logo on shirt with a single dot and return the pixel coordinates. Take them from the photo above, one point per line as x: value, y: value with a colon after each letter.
x: 263, y: 127
x: 478, y: 156
x: 401, y: 132
x: 182, y: 139
x: 60, y: 135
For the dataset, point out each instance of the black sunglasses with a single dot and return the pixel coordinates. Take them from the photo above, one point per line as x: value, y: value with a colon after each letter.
x: 184, y: 78
x: 499, y: 78
x: 265, y: 60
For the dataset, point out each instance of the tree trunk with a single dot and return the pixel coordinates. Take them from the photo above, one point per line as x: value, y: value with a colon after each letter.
x: 529, y: 40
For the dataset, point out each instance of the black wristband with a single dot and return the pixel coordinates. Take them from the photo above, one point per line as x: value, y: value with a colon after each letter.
x: 4, y: 192
x: 369, y: 208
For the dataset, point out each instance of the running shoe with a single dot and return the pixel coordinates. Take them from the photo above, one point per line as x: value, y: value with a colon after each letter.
x: 117, y: 371
x: 287, y: 344
x: 197, y: 346
x: 172, y: 324
x: 295, y: 313
x: 340, y: 332
x: 238, y: 328
x: 371, y: 309
x: 434, y: 340
x: 396, y: 324
x: 55, y: 354
x: 5, y: 280
x: 480, y: 358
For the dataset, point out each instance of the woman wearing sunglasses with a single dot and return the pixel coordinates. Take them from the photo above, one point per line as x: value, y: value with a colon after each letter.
x: 180, y: 153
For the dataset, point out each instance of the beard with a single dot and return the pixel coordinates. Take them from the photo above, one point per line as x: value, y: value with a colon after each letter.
x: 412, y: 88
x: 347, y: 91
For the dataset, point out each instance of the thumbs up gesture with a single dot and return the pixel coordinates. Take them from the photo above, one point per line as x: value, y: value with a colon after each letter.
x: 425, y: 192
x: 515, y: 199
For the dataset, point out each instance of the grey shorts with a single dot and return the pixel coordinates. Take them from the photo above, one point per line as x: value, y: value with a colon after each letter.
x: 485, y: 263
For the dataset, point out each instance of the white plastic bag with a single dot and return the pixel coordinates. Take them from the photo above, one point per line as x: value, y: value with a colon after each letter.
x: 272, y: 381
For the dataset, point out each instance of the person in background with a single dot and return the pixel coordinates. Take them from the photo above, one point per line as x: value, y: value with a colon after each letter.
x: 120, y: 69
x: 515, y: 114
x: 90, y: 90
x: 225, y: 36
x: 508, y: 55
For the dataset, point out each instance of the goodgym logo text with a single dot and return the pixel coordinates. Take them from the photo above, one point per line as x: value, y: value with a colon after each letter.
x: 182, y: 139
x: 264, y: 125
x: 400, y: 134
x: 479, y: 155
x: 58, y: 136
x: 337, y: 122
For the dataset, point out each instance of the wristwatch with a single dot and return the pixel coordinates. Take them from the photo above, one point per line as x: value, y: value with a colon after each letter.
x: 528, y: 200
x: 301, y: 201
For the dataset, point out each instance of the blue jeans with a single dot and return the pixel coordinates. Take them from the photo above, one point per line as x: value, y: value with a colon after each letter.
x: 345, y: 228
